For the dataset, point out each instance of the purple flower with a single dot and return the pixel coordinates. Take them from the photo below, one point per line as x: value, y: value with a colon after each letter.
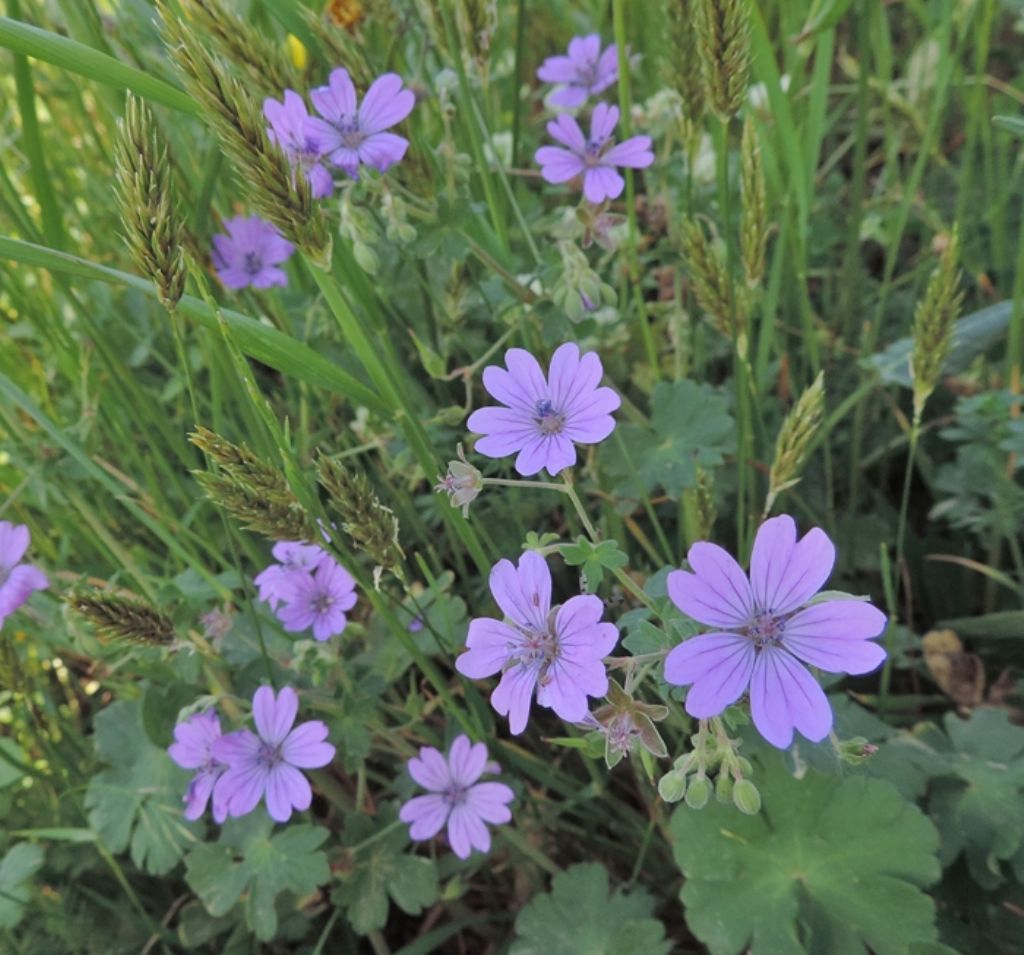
x: 193, y: 749
x: 268, y: 765
x: 594, y: 158
x: 456, y: 797
x: 319, y: 600
x: 557, y: 650
x: 350, y: 136
x: 761, y: 632
x: 294, y: 559
x: 542, y: 416
x: 290, y: 128
x: 250, y: 253
x: 17, y: 580
x: 584, y: 72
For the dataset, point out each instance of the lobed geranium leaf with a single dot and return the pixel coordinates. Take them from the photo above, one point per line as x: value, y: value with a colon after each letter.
x: 579, y: 916
x: 829, y: 866
x: 136, y: 803
x: 690, y: 426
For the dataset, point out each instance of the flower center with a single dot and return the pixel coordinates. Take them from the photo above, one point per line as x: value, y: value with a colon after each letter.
x: 322, y: 603
x: 586, y: 74
x: 621, y: 732
x: 455, y: 795
x: 548, y: 419
x: 765, y: 628
x: 537, y: 650
x: 253, y: 264
x: 351, y: 135
x: 270, y: 755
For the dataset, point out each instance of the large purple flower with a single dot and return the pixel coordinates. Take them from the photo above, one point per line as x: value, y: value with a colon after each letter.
x: 17, y: 580
x: 290, y: 128
x: 268, y: 765
x: 320, y: 600
x: 595, y: 158
x: 542, y: 416
x: 583, y: 72
x: 351, y: 135
x: 557, y: 651
x: 294, y: 559
x: 193, y: 749
x: 455, y: 797
x: 761, y: 633
x: 250, y: 253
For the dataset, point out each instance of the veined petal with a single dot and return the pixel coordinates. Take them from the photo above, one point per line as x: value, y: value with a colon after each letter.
x: 603, y: 122
x: 719, y: 667
x: 305, y: 746
x: 14, y: 541
x: 487, y: 648
x: 523, y: 592
x: 274, y: 717
x: 784, y: 572
x: 836, y: 636
x: 565, y: 130
x: 466, y: 761
x: 784, y: 696
x: 717, y: 593
x: 512, y: 696
x: 634, y: 153
x: 286, y: 788
x: 600, y: 183
x: 383, y: 150
x: 338, y: 98
x: 430, y: 769
x: 426, y: 815
x: 385, y: 104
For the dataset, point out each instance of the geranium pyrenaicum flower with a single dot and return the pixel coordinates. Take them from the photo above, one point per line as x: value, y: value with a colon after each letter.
x: 764, y: 628
x: 556, y: 650
x: 351, y: 136
x: 583, y: 72
x: 293, y: 559
x: 250, y: 253
x: 268, y: 765
x: 193, y: 749
x: 595, y: 158
x: 542, y: 416
x: 17, y: 580
x: 456, y: 797
x: 290, y: 128
x: 319, y: 600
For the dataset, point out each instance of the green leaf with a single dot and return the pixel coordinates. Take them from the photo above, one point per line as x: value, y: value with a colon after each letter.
x: 253, y: 862
x: 380, y: 869
x: 830, y: 866
x: 85, y: 61
x: 17, y: 867
x: 594, y: 559
x: 978, y: 808
x: 578, y: 917
x: 9, y: 772
x: 1012, y: 124
x: 136, y: 803
x: 690, y: 426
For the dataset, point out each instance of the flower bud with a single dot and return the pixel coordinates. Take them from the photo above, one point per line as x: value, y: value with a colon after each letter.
x: 672, y: 786
x: 699, y: 792
x: 855, y: 751
x: 746, y: 797
x: 723, y: 787
x: 463, y: 483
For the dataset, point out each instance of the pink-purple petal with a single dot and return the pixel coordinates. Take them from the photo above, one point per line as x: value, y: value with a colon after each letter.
x: 383, y: 150
x: 603, y: 122
x: 512, y: 696
x: 337, y: 100
x: 274, y: 717
x: 601, y: 183
x: 426, y: 816
x: 634, y: 153
x: 466, y: 761
x: 487, y: 648
x: 565, y: 130
x: 430, y: 769
x: 784, y: 696
x: 489, y: 802
x: 305, y: 747
x: 385, y: 104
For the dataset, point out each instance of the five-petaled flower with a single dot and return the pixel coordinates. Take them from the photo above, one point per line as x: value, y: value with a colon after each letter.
x: 250, y: 253
x: 351, y: 136
x: 595, y: 158
x: 291, y: 129
x: 557, y: 651
x: 17, y: 580
x: 294, y: 559
x: 320, y: 601
x: 583, y: 72
x: 268, y: 765
x: 456, y: 797
x: 764, y: 628
x: 542, y: 416
x: 193, y: 749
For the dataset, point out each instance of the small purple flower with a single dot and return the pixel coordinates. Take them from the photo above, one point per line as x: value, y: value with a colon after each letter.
x: 17, y: 580
x: 557, y: 650
x: 350, y: 135
x: 761, y: 632
x: 294, y: 559
x: 290, y: 128
x: 584, y: 72
x: 595, y: 158
x: 193, y: 749
x: 268, y: 765
x: 542, y: 416
x: 456, y: 797
x: 250, y: 253
x: 319, y: 600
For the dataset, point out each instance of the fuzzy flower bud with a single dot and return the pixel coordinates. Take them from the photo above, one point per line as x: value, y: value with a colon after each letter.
x: 856, y: 751
x: 745, y: 797
x: 723, y: 43
x: 933, y: 324
x: 794, y: 440
x: 153, y: 228
x: 724, y: 788
x: 672, y: 786
x: 698, y: 793
x: 130, y: 619
x: 252, y: 491
x: 463, y: 483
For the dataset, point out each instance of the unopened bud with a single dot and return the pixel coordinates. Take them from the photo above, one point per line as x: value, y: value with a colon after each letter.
x: 723, y: 787
x: 699, y: 793
x: 463, y: 483
x: 672, y: 786
x: 855, y: 751
x: 746, y: 797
